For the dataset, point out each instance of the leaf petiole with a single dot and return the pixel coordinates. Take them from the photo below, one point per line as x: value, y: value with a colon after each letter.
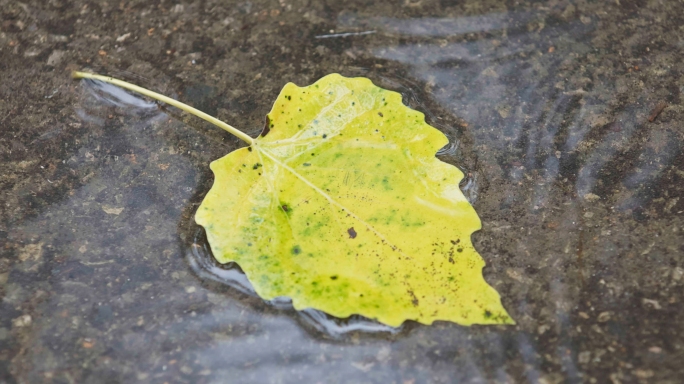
x: 193, y: 111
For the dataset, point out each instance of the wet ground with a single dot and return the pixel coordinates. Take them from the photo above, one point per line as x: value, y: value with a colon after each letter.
x: 567, y: 117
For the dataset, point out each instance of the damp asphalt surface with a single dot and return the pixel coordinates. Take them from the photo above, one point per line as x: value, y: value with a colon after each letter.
x: 566, y: 116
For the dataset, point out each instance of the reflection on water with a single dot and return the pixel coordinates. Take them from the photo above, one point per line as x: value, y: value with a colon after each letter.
x: 449, y: 149
x: 102, y: 95
x: 439, y: 26
x: 108, y: 94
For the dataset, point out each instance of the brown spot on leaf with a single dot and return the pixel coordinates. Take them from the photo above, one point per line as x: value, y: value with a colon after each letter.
x: 414, y: 299
x: 351, y: 232
x: 267, y: 128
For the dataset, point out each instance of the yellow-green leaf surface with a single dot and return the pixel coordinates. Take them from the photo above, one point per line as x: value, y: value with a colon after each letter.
x: 342, y: 206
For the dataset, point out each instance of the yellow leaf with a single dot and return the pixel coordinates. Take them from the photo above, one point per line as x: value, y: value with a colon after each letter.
x: 342, y: 206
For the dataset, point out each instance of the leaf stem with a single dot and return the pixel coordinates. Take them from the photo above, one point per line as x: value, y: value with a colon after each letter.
x: 193, y: 111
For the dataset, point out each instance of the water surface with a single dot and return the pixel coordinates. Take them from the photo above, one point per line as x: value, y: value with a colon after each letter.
x: 554, y: 111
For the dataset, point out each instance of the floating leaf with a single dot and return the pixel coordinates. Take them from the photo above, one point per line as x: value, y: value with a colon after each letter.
x: 341, y: 205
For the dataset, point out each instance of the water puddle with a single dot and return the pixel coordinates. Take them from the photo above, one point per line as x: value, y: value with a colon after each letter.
x: 564, y: 116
